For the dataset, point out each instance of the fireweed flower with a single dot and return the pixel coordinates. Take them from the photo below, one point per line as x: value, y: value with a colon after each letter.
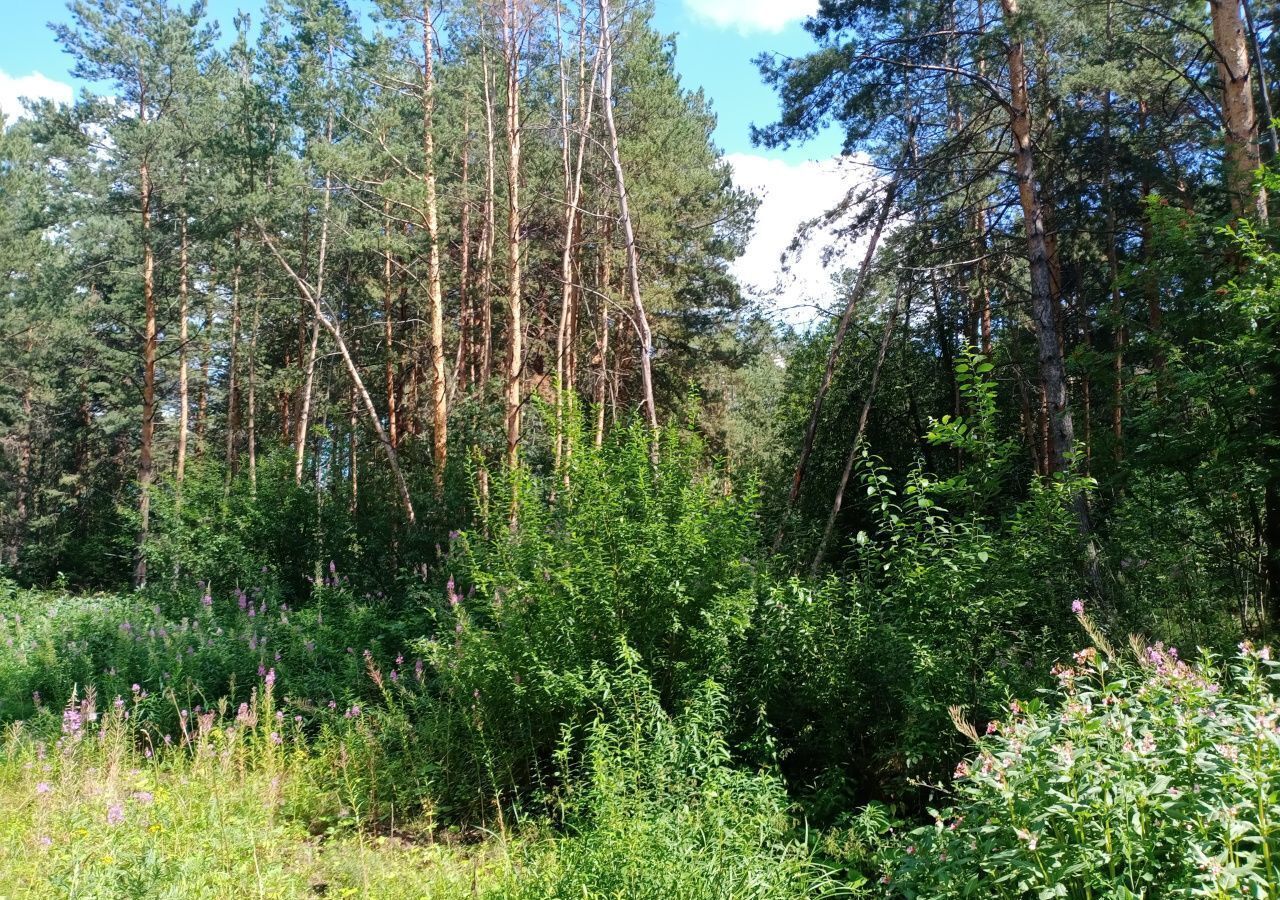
x: 1077, y: 607
x: 72, y: 722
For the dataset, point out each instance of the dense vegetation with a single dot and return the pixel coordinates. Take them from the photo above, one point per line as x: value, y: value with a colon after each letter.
x: 400, y: 498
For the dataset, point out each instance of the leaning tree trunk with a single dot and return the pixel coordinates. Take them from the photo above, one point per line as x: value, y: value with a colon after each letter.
x: 314, y: 299
x: 842, y: 329
x: 628, y: 231
x: 838, y: 502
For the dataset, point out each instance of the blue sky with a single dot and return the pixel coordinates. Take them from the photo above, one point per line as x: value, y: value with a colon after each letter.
x: 716, y: 42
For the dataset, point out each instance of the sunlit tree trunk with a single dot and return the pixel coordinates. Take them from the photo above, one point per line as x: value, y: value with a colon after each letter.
x: 1044, y: 315
x: 641, y: 318
x: 388, y: 327
x: 515, y: 325
x: 439, y: 400
x: 184, y: 313
x: 146, y: 469
x: 1239, y: 119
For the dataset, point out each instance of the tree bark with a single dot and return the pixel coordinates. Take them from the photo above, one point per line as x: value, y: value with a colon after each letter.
x: 863, y: 418
x: 1231, y: 47
x: 146, y: 469
x: 251, y: 432
x: 488, y: 230
x: 515, y: 324
x: 842, y: 329
x: 388, y: 327
x: 1043, y: 294
x: 439, y: 400
x: 184, y: 313
x: 633, y: 254
x: 314, y: 298
x: 573, y: 196
x: 233, y: 367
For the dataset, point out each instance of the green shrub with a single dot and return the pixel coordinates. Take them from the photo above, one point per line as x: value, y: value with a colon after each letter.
x: 1148, y: 777
x: 657, y: 811
x: 613, y: 550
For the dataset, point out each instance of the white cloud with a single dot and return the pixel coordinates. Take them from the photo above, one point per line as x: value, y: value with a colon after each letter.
x: 752, y: 15
x: 792, y: 194
x: 35, y: 85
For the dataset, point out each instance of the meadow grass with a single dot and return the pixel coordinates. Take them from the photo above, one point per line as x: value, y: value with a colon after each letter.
x: 95, y: 812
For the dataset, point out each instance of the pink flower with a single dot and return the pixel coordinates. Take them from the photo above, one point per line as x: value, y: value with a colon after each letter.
x: 43, y: 787
x: 1077, y: 607
x: 115, y: 814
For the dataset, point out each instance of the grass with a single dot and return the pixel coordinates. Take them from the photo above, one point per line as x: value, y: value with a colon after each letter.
x: 142, y: 792
x: 96, y: 813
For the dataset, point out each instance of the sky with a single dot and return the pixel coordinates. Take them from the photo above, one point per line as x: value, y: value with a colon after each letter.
x: 716, y: 40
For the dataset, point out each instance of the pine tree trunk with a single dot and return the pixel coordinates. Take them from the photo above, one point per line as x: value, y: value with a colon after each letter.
x: 314, y: 298
x: 184, y: 313
x: 464, y: 373
x: 233, y: 369
x: 304, y: 413
x: 388, y: 328
x: 515, y: 324
x: 572, y: 198
x: 641, y: 318
x: 1231, y: 48
x: 489, y: 229
x: 146, y: 469
x: 1043, y: 292
x: 842, y: 329
x: 251, y: 430
x: 439, y: 400
x: 206, y: 364
x: 856, y: 446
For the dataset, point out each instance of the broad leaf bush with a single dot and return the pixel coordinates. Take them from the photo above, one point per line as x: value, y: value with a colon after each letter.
x: 1147, y: 777
x: 658, y: 811
x: 622, y: 552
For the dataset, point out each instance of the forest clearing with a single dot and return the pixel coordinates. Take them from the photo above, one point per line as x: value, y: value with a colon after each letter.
x: 494, y: 448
